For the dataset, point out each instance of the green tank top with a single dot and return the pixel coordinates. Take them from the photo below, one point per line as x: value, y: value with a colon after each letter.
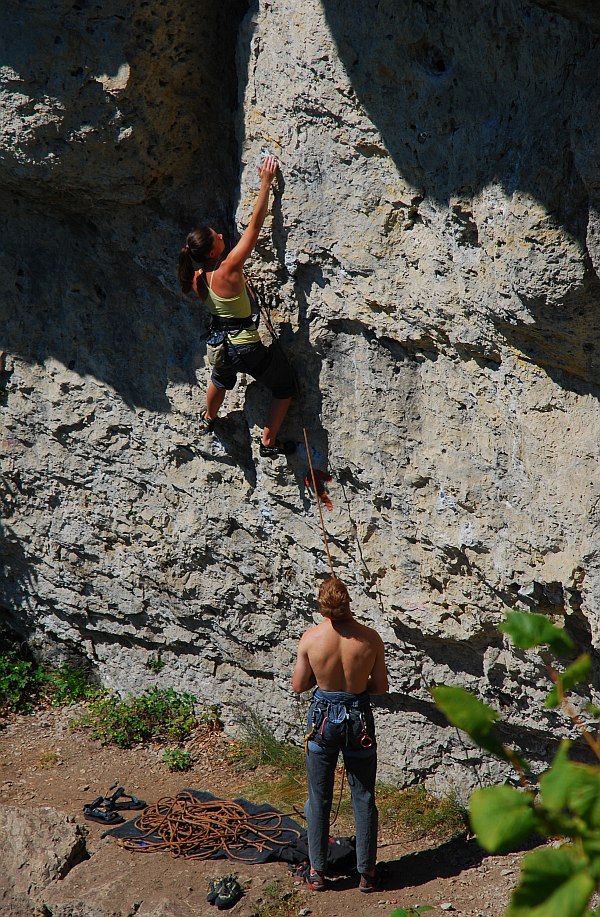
x: 233, y: 307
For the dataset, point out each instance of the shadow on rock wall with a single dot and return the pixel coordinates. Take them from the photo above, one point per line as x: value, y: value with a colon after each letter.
x: 467, y: 94
x: 470, y: 95
x: 74, y: 296
x: 16, y: 569
x: 121, y: 101
x: 106, y: 107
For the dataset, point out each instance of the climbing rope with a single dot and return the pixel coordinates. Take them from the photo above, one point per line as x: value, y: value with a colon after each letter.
x: 266, y: 314
x: 198, y: 830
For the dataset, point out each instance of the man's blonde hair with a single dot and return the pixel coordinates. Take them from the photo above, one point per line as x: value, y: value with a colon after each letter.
x: 334, y: 601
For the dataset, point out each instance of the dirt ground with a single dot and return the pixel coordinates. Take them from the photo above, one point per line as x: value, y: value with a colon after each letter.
x: 43, y: 762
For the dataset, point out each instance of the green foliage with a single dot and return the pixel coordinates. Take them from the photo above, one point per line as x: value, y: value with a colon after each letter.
x: 65, y: 686
x: 177, y: 759
x: 420, y: 814
x: 530, y: 630
x: 155, y: 663
x: 25, y: 685
x: 476, y: 718
x: 411, y: 911
x: 156, y: 714
x: 17, y: 682
x: 259, y: 746
x: 502, y: 817
x: 573, y: 675
x: 555, y: 881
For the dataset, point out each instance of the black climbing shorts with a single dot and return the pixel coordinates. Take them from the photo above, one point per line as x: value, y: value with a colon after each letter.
x: 268, y: 365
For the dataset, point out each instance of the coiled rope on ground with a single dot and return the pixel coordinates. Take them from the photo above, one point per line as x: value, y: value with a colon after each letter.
x: 196, y: 830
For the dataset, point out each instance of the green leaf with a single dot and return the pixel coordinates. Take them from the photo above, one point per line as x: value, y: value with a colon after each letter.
x: 571, y: 787
x: 411, y: 911
x: 554, y: 882
x: 528, y: 630
x: 502, y: 817
x: 577, y: 672
x: 467, y: 712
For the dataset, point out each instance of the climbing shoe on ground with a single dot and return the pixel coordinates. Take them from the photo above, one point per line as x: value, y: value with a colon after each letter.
x: 224, y: 893
x: 281, y: 447
x: 316, y: 881
x: 213, y: 890
x: 229, y: 894
x: 204, y: 424
x: 369, y: 883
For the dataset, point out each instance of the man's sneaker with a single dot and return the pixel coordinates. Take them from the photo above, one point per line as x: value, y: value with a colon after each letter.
x: 285, y: 447
x: 316, y: 880
x: 369, y: 883
x: 204, y: 424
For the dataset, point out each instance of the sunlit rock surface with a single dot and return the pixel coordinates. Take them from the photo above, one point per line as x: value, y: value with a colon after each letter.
x: 431, y: 265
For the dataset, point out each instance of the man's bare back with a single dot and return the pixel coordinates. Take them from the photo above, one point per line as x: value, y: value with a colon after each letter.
x: 341, y: 656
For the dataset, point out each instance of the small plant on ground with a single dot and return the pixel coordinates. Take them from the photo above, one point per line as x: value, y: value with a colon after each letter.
x: 48, y: 759
x: 156, y: 714
x: 278, y: 901
x: 420, y: 814
x: 64, y: 686
x: 412, y: 911
x: 286, y: 787
x: 260, y: 747
x: 177, y: 759
x: 556, y: 881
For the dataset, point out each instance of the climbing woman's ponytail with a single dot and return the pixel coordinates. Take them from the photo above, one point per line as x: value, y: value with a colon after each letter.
x: 197, y: 246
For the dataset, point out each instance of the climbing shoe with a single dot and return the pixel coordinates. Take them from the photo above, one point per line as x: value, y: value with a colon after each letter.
x: 224, y: 892
x: 229, y: 893
x: 204, y: 424
x: 213, y: 890
x: 281, y: 447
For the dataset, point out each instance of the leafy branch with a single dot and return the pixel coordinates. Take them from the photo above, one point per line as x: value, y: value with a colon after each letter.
x: 555, y: 881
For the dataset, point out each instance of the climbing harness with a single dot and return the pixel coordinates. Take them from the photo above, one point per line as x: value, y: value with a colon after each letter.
x: 198, y: 830
x: 222, y: 329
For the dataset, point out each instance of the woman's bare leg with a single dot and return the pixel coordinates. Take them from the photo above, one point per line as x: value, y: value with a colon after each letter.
x: 275, y: 415
x: 214, y: 399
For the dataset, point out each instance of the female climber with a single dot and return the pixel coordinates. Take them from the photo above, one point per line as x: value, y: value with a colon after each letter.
x: 217, y: 278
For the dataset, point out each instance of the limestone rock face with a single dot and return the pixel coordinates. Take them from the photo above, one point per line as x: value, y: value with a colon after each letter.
x: 430, y: 261
x: 37, y: 847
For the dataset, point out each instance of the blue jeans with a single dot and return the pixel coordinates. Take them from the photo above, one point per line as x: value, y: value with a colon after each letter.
x: 341, y: 722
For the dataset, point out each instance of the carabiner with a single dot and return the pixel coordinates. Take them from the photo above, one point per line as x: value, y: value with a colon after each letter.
x: 365, y: 740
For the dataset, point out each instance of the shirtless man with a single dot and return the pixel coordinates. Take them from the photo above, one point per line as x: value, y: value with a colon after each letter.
x: 346, y: 661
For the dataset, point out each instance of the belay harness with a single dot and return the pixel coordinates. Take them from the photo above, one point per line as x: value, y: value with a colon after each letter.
x: 345, y: 723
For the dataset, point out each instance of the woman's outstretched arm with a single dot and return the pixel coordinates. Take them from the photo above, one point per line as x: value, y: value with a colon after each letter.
x: 240, y: 253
